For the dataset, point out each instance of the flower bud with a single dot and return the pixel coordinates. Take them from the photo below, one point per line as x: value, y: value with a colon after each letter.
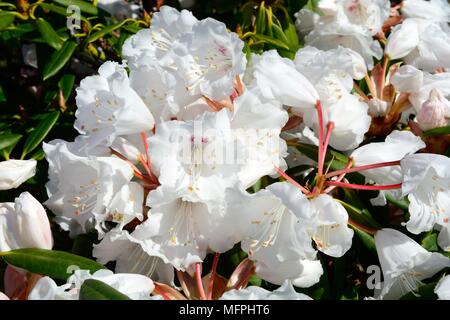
x: 26, y: 224
x: 33, y: 226
x: 14, y: 172
x: 432, y: 113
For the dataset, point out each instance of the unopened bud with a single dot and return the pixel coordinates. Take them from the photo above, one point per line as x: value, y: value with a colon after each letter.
x: 432, y: 113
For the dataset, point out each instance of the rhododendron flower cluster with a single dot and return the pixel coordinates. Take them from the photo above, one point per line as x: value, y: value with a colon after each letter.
x: 192, y: 146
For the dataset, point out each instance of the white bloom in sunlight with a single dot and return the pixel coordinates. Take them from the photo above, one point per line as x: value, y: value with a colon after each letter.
x: 396, y: 146
x: 305, y: 21
x: 329, y: 227
x: 256, y: 124
x: 422, y: 43
x: 162, y: 91
x: 209, y: 58
x: 442, y: 289
x: 181, y: 231
x: 277, y: 79
x: 434, y: 10
x: 153, y: 44
x: 339, y: 31
x: 82, y: 187
x: 108, y: 107
x: 273, y: 226
x: 407, y: 79
x: 15, y: 172
x: 135, y: 286
x: 433, y: 112
x: 349, y: 114
x: 426, y: 181
x: 197, y: 155
x: 285, y: 292
x: 127, y: 250
x: 24, y: 224
x: 369, y: 14
x: 405, y: 263
x: 314, y: 63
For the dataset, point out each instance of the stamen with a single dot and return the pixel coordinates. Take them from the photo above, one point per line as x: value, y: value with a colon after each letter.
x: 363, y: 187
x: 362, y: 168
x: 295, y: 183
x: 330, y: 127
x: 320, y: 119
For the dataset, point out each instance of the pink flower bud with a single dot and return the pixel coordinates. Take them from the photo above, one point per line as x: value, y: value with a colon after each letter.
x: 432, y: 113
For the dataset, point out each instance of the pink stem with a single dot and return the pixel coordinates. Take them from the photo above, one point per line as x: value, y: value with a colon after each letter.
x: 295, y: 183
x: 320, y: 118
x: 331, y: 188
x: 198, y: 278
x: 330, y: 127
x: 363, y: 187
x: 213, y: 275
x: 362, y: 168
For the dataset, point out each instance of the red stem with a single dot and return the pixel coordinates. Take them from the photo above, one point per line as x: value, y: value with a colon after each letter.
x: 213, y: 275
x: 295, y: 183
x: 330, y: 188
x: 320, y: 118
x: 363, y: 187
x: 198, y: 278
x: 330, y: 127
x: 362, y: 168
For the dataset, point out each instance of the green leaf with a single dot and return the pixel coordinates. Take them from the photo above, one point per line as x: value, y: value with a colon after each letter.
x: 429, y: 242
x: 49, y: 34
x: 66, y: 84
x: 291, y: 34
x: 338, y: 160
x: 6, y: 19
x: 52, y: 263
x: 97, y: 35
x: 59, y: 59
x: 271, y: 41
x: 437, y: 131
x: 38, y: 155
x: 83, y: 5
x: 279, y: 34
x: 402, y: 204
x: 367, y: 240
x: 9, y: 139
x: 40, y: 132
x: 2, y: 95
x: 261, y: 19
x: 93, y: 289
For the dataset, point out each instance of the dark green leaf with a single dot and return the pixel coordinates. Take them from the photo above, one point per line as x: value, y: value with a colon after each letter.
x: 49, y: 34
x: 66, y: 84
x: 83, y: 5
x: 40, y: 132
x: 97, y: 290
x: 367, y: 240
x: 52, y: 263
x: 9, y: 139
x: 2, y: 95
x: 59, y: 59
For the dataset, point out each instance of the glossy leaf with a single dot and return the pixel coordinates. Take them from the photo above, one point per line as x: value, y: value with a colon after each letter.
x: 66, y: 85
x: 97, y: 35
x: 40, y: 132
x: 59, y: 59
x: 9, y: 139
x: 437, y: 131
x: 49, y: 34
x: 52, y: 263
x: 84, y: 6
x: 92, y: 289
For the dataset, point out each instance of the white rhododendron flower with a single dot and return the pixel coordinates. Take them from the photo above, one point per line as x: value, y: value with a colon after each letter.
x: 285, y: 292
x: 135, y: 286
x: 273, y: 225
x: 108, y: 107
x: 422, y: 43
x: 82, y: 187
x: 435, y: 10
x: 443, y: 288
x: 396, y: 146
x: 15, y: 172
x: 405, y: 263
x: 426, y: 181
x: 24, y: 224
